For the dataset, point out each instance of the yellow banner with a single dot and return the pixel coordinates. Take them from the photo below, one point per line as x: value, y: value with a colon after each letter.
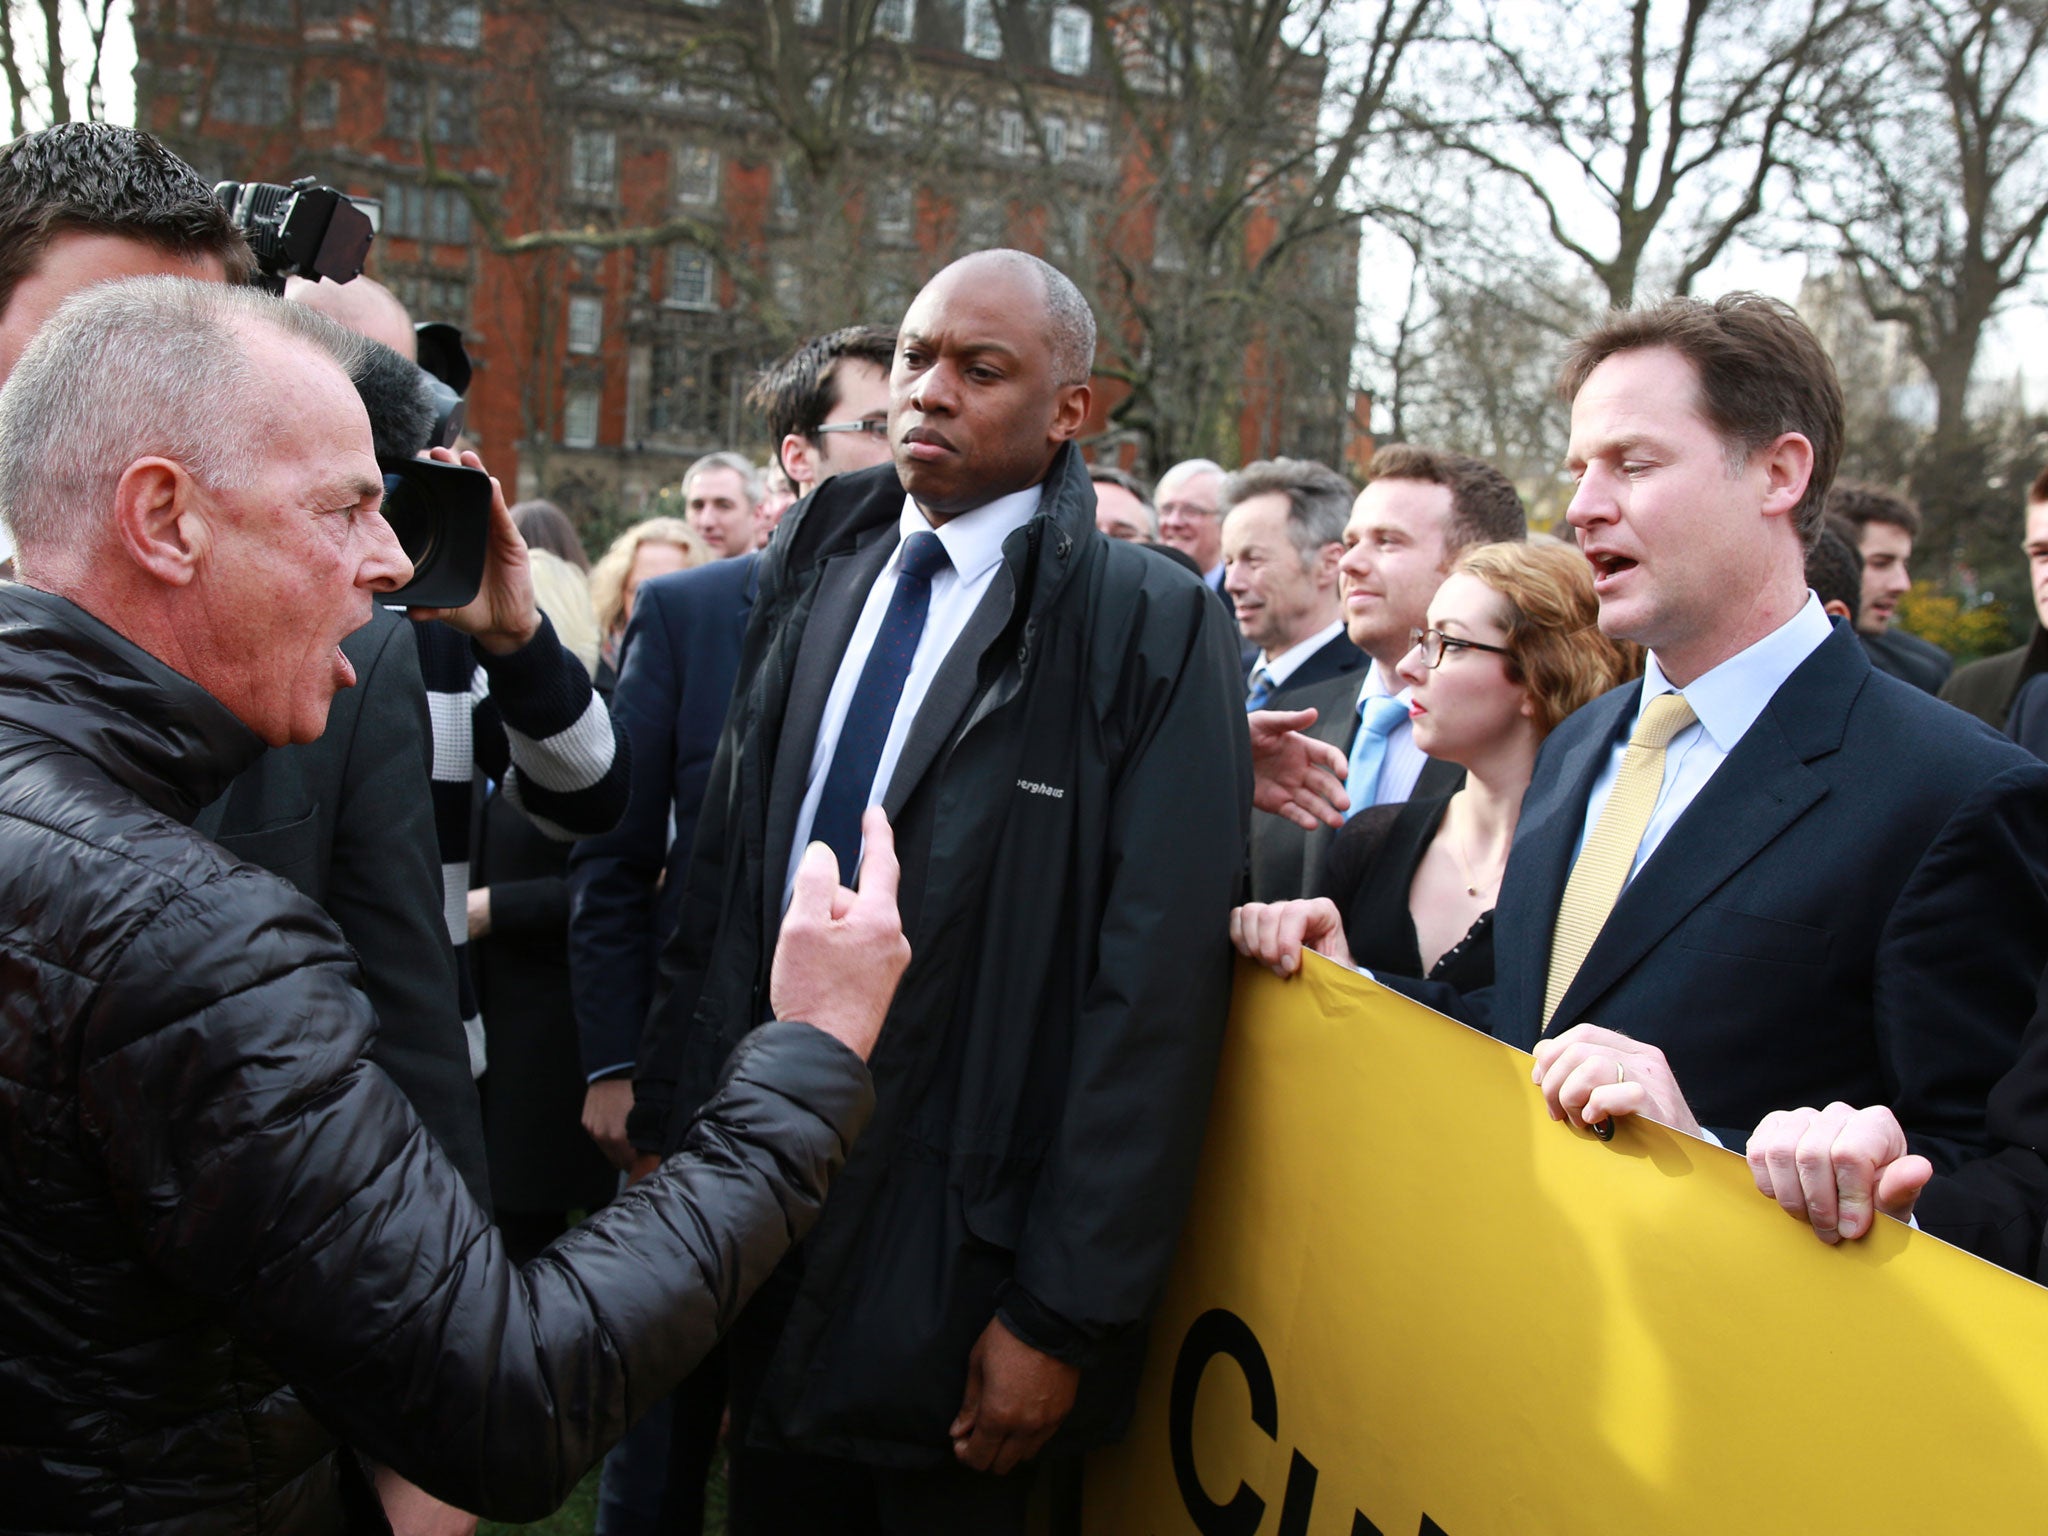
x: 1409, y: 1302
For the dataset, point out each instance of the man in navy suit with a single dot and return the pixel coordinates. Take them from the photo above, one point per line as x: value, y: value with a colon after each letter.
x: 827, y: 404
x: 1830, y: 885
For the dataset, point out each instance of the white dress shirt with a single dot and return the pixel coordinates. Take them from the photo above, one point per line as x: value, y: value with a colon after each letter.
x: 1404, y: 761
x: 1727, y: 700
x: 1288, y: 662
x: 974, y: 548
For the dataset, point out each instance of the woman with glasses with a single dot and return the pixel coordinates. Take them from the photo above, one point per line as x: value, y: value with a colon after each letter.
x: 1409, y: 889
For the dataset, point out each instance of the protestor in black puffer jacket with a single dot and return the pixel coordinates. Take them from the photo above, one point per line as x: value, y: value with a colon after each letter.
x: 226, y: 1242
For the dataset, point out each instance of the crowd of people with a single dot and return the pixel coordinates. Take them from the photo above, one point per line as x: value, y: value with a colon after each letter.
x: 764, y: 986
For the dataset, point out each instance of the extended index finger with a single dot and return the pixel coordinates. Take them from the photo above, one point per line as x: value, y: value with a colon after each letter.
x: 879, y: 874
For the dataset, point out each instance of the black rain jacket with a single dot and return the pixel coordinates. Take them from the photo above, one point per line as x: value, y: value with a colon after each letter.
x: 1070, y: 858
x: 226, y: 1243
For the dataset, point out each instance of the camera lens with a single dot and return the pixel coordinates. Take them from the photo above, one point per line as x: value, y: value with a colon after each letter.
x: 406, y: 510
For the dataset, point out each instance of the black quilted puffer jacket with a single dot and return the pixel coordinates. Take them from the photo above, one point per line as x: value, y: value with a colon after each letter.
x: 226, y: 1244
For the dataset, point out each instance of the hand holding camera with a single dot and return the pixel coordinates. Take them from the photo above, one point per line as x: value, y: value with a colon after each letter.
x: 503, y: 614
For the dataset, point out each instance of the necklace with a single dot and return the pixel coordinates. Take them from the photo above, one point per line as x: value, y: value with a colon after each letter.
x: 1464, y: 867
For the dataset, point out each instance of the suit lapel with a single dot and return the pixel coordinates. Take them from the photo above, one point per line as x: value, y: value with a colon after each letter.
x: 843, y: 588
x: 952, y: 689
x: 1546, y: 838
x: 1762, y: 788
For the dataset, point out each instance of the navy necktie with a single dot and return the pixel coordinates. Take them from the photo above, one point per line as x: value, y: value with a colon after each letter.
x: 850, y: 782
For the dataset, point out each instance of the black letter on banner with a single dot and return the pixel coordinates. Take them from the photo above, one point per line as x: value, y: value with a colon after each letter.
x: 1430, y: 1528
x: 1360, y: 1526
x: 1300, y: 1497
x: 1219, y: 1332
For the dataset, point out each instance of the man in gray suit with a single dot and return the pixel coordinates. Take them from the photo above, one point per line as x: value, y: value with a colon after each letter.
x: 1420, y: 509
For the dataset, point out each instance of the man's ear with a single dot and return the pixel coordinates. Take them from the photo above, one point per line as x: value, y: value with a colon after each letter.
x: 1788, y: 468
x: 1326, y: 564
x: 799, y: 457
x: 159, y: 520
x: 1069, y: 412
x: 1835, y: 608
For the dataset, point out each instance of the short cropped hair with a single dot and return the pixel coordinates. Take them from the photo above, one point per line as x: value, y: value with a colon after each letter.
x: 1109, y: 474
x: 94, y: 178
x: 543, y: 525
x: 1318, y: 499
x: 608, y: 576
x: 798, y: 393
x: 2038, y: 491
x: 752, y: 486
x: 1555, y: 647
x: 1834, y: 567
x: 1069, y: 322
x: 1485, y: 506
x: 1860, y: 504
x: 1762, y: 373
x: 144, y: 367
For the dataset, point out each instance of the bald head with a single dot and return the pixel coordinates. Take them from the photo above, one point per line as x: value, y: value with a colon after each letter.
x: 1069, y: 322
x: 364, y: 306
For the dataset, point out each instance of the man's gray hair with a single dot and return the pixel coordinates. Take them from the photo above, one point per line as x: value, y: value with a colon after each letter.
x: 1318, y: 499
x: 1188, y: 469
x: 141, y: 368
x: 753, y: 486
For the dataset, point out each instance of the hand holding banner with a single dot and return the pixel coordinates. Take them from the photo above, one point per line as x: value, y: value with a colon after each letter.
x: 1409, y: 1301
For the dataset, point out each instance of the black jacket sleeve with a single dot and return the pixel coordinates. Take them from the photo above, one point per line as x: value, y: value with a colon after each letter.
x: 263, y: 1162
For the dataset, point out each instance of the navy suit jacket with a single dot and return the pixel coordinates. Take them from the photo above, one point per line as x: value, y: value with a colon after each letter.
x: 1855, y: 907
x: 682, y: 653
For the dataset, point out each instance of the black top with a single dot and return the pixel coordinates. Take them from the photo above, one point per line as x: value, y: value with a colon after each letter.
x: 1372, y: 864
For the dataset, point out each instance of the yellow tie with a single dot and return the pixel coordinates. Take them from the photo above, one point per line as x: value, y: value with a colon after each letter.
x: 1603, y: 867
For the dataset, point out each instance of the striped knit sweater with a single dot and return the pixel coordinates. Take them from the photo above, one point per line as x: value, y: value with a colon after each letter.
x: 531, y: 722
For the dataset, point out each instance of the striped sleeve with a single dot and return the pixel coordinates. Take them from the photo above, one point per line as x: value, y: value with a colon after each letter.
x: 543, y: 732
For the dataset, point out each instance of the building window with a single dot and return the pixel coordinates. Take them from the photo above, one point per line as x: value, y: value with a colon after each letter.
x: 689, y: 394
x: 982, y: 34
x: 1073, y: 39
x: 417, y: 213
x: 875, y: 113
x: 251, y: 91
x: 579, y: 417
x: 1010, y: 132
x: 896, y: 19
x: 788, y: 209
x: 894, y: 205
x: 593, y: 162
x: 452, y: 120
x: 1055, y: 139
x: 696, y: 175
x: 440, y: 23
x: 963, y: 124
x: 320, y: 106
x: 692, y: 280
x: 1095, y: 141
x: 809, y: 12
x: 981, y: 225
x: 586, y: 323
x: 920, y: 110
x: 433, y: 296
x: 787, y: 280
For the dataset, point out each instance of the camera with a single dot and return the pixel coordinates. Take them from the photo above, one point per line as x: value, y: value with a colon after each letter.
x: 303, y: 230
x: 442, y: 516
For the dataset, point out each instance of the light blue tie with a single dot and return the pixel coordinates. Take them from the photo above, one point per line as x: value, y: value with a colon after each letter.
x: 1262, y: 689
x: 1377, y: 717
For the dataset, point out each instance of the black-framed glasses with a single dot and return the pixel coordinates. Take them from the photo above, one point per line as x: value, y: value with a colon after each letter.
x: 1434, y: 642
x: 871, y: 428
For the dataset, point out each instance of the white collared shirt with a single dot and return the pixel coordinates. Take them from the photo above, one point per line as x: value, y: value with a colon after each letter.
x: 1727, y: 700
x: 1288, y: 662
x: 1403, y: 764
x: 974, y: 549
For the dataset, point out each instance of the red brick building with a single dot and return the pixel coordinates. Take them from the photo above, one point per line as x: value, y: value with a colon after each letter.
x: 628, y: 211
